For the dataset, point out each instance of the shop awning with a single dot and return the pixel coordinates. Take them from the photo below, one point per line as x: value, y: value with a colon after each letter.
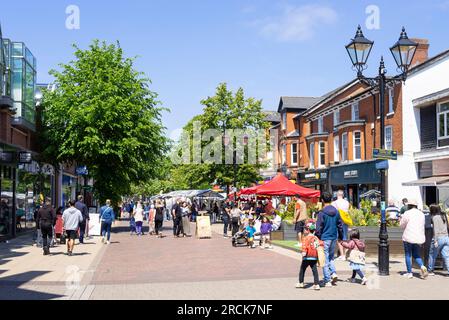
x: 440, y: 181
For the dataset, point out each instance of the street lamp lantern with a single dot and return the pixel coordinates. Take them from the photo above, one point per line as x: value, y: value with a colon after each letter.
x: 403, y: 51
x: 359, y: 50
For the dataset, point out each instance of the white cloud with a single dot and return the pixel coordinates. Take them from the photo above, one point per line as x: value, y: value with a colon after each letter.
x: 297, y: 23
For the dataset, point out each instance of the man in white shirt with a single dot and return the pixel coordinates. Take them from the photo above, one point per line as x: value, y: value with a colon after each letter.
x: 342, y: 204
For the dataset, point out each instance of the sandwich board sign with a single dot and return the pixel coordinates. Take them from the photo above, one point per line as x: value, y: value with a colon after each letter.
x: 203, y: 227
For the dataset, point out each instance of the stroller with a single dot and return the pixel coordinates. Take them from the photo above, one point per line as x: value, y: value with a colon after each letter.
x: 240, y: 239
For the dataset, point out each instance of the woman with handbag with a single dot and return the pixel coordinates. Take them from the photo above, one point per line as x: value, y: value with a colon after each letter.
x: 356, y: 255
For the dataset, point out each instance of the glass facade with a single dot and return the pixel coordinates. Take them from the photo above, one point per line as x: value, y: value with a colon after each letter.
x: 20, y: 82
x: 2, y: 65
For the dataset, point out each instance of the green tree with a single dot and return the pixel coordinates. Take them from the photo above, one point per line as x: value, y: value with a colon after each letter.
x: 223, y: 111
x: 102, y: 114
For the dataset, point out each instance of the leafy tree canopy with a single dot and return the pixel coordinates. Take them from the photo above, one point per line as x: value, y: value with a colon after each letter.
x: 103, y: 114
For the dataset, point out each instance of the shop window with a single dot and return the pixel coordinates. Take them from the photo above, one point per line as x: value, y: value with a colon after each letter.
x: 389, y: 138
x: 344, y: 147
x: 312, y: 155
x: 322, y: 154
x: 294, y: 154
x: 357, y: 145
x: 337, y: 149
x: 443, y: 124
x: 6, y: 202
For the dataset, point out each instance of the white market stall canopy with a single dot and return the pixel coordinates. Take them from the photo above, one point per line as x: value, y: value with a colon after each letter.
x: 202, y: 194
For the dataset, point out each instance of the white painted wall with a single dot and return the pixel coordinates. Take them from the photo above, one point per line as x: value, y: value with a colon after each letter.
x: 427, y: 81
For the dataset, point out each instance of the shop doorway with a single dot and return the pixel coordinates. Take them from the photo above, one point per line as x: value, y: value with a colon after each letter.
x: 431, y: 195
x: 353, y: 195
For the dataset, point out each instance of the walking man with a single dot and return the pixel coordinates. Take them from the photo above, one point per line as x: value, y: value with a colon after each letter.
x: 72, y: 218
x: 329, y: 229
x: 341, y: 204
x: 177, y: 218
x: 85, y: 212
x: 300, y: 218
x: 107, y: 217
x: 46, y: 218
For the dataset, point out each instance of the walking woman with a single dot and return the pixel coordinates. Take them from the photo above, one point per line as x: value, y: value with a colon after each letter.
x: 440, y: 241
x: 159, y: 218
x: 235, y: 219
x: 138, y: 217
x: 413, y: 223
x: 186, y: 219
x: 151, y: 222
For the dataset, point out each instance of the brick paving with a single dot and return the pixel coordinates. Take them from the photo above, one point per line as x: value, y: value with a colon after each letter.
x: 148, y: 259
x: 142, y: 268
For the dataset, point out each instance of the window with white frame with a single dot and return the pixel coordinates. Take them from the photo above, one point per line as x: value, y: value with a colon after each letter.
x: 294, y: 154
x: 357, y: 145
x: 320, y: 125
x: 344, y: 147
x: 355, y: 112
x: 443, y: 123
x: 337, y: 149
x: 312, y: 155
x: 391, y: 101
x: 284, y: 120
x: 389, y: 138
x: 336, y: 117
x: 322, y: 154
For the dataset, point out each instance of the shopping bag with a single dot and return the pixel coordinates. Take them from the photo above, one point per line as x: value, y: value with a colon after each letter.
x: 346, y: 218
x: 321, y: 256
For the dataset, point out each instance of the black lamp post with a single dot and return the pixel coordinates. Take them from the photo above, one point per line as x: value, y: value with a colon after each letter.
x: 403, y: 52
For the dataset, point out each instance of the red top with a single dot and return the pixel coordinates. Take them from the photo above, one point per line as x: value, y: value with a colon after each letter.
x: 59, y: 224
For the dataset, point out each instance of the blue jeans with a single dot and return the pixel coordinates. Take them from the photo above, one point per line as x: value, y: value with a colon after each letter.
x: 412, y: 250
x: 106, y: 229
x: 443, y: 247
x: 329, y: 252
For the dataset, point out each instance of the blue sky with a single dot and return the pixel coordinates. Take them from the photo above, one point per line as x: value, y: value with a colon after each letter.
x: 270, y: 48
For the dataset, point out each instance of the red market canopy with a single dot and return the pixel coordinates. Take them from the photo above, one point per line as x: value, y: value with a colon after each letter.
x: 281, y: 186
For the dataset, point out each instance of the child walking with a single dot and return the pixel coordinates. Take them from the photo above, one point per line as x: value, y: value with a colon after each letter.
x: 310, y: 244
x: 265, y: 230
x: 251, y: 231
x: 356, y: 255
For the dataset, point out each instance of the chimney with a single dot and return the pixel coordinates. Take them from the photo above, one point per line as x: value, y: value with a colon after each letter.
x: 422, y: 52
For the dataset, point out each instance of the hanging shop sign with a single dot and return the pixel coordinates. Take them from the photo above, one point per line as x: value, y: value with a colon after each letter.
x: 25, y: 157
x: 385, y: 154
x: 82, y: 171
x: 6, y: 157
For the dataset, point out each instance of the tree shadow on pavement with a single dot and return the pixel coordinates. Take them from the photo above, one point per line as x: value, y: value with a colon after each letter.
x: 10, y: 287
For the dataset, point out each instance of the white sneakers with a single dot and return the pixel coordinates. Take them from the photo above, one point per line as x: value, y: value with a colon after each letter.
x: 424, y: 272
x: 408, y: 275
x: 328, y: 285
x: 364, y: 281
x: 108, y: 242
x: 300, y: 285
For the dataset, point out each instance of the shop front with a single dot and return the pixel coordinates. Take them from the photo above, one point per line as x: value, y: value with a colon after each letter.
x: 360, y: 181
x: 314, y: 179
x: 433, y: 181
x: 23, y: 186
